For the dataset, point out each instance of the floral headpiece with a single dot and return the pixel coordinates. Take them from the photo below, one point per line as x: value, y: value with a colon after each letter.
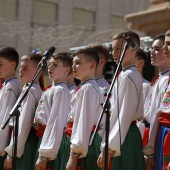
x: 37, y: 51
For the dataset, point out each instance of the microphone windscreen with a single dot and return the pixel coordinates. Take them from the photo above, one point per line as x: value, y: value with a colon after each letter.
x: 49, y: 52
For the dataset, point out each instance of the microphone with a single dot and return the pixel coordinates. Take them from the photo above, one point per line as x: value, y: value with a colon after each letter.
x: 132, y: 44
x: 47, y: 54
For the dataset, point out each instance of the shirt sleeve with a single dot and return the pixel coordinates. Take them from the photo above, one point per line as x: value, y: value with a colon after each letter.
x: 25, y: 122
x: 149, y: 148
x: 9, y: 100
x: 55, y: 126
x: 146, y: 92
x: 85, y: 110
x: 127, y: 102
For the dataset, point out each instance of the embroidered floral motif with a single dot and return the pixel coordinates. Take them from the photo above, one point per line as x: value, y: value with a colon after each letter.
x: 149, y: 103
x: 39, y: 110
x: 166, y: 100
x: 150, y: 96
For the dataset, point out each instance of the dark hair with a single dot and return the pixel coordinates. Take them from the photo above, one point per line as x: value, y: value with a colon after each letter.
x: 10, y: 54
x: 101, y: 49
x: 66, y: 58
x: 160, y: 37
x: 90, y: 54
x: 142, y: 55
x: 134, y: 36
x: 32, y: 57
x: 167, y: 33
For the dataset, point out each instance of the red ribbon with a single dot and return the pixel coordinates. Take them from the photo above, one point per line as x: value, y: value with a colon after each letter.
x: 68, y: 130
x: 154, y: 80
x: 40, y: 131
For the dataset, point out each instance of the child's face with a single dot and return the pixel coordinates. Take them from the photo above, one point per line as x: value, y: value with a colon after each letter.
x: 167, y: 47
x: 117, y: 51
x: 82, y: 69
x: 26, y: 71
x: 6, y: 68
x: 56, y: 71
x: 158, y: 56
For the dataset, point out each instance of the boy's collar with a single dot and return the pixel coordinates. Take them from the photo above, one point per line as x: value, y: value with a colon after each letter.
x: 164, y: 72
x: 100, y: 77
x: 91, y: 78
x: 60, y: 82
x: 129, y: 66
x: 6, y: 81
x: 72, y: 84
x: 27, y: 84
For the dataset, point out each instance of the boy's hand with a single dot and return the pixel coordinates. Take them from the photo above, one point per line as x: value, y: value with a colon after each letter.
x: 8, y: 163
x: 41, y: 164
x: 72, y: 163
x: 101, y: 160
x: 149, y: 163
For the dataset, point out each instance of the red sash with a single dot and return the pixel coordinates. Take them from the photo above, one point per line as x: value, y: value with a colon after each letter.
x: 40, y: 131
x: 69, y: 128
x: 145, y: 136
x: 133, y: 122
x: 164, y: 120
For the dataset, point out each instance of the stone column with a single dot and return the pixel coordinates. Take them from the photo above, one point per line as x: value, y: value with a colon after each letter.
x: 154, y: 21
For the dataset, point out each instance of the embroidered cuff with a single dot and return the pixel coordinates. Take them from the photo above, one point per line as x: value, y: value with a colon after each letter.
x: 43, y: 158
x: 150, y: 155
x: 109, y: 151
x: 75, y: 154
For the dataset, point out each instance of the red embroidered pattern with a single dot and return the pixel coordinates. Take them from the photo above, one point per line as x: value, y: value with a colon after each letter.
x: 154, y: 80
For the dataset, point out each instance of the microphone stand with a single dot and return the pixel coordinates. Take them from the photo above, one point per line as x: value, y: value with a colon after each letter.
x: 17, y: 108
x: 106, y: 109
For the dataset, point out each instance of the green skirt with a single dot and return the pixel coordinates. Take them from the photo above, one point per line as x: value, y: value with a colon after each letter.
x: 87, y: 163
x: 27, y: 159
x: 2, y: 159
x: 55, y: 164
x: 131, y: 157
